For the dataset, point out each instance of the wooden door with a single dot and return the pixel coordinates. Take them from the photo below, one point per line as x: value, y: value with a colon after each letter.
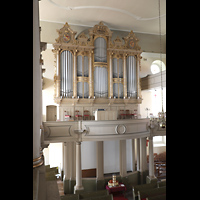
x: 51, y: 113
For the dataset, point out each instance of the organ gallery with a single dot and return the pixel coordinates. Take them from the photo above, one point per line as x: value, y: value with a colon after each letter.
x: 95, y: 68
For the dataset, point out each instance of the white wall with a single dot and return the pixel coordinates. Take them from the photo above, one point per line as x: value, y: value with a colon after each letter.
x: 111, y: 156
x: 88, y: 154
x: 48, y: 88
x: 53, y: 155
x: 153, y: 102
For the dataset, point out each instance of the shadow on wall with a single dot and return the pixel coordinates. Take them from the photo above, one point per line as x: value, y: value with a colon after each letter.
x: 47, y: 83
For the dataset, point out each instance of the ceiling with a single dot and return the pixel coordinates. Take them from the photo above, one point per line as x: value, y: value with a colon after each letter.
x: 141, y: 16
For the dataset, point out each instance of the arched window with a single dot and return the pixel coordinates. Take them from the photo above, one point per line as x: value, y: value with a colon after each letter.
x: 66, y: 74
x: 156, y: 66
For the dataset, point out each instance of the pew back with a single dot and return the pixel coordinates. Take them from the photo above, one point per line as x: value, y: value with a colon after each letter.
x: 151, y: 193
x: 137, y: 188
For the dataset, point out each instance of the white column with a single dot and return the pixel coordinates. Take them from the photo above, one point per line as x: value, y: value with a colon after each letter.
x: 72, y: 160
x: 62, y: 164
x: 37, y: 87
x: 78, y: 185
x: 67, y: 161
x: 138, y: 154
x: 151, y: 158
x: 122, y: 148
x: 133, y: 154
x: 100, y: 160
x: 143, y: 158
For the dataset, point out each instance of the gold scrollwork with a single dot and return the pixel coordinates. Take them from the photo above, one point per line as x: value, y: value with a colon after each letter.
x: 118, y: 80
x: 82, y: 79
x: 100, y: 64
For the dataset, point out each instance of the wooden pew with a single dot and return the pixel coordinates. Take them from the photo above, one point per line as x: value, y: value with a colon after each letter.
x: 93, y: 195
x: 83, y: 195
x: 158, y: 197
x: 70, y: 197
x: 136, y: 188
x: 142, y: 194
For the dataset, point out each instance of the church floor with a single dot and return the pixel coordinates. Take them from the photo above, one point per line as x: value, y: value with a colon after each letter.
x: 60, y: 187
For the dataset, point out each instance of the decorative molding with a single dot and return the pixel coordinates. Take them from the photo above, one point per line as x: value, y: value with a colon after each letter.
x: 97, y: 130
x: 106, y: 8
x: 66, y: 35
x: 120, y: 129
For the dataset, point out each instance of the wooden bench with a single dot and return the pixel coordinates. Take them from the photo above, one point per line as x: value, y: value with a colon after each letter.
x: 84, y: 194
x: 162, y: 183
x: 93, y: 195
x: 70, y: 197
x: 149, y: 193
x: 105, y: 197
x: 142, y: 187
x: 158, y: 197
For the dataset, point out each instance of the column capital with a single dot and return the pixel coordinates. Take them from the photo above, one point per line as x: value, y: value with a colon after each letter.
x: 78, y: 142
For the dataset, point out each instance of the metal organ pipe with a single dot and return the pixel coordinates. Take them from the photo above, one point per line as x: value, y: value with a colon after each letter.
x: 131, y: 77
x: 66, y: 74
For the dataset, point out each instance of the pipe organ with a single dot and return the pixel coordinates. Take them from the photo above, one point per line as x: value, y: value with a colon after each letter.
x: 95, y: 70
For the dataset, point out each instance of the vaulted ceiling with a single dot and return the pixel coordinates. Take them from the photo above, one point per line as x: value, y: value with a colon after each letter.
x: 141, y: 16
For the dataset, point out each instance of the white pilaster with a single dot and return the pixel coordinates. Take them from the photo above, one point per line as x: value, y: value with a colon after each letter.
x: 78, y: 185
x: 143, y: 156
x: 37, y: 87
x: 100, y: 160
x: 123, y: 168
x: 67, y: 161
x: 151, y: 158
x: 138, y: 154
x: 133, y: 154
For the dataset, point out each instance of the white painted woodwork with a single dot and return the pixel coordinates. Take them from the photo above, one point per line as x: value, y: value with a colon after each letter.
x: 106, y: 115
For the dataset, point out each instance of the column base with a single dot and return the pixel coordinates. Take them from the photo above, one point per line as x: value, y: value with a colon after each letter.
x: 78, y: 188
x: 38, y: 161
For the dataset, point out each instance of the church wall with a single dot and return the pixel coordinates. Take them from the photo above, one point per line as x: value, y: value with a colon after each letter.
x: 48, y: 87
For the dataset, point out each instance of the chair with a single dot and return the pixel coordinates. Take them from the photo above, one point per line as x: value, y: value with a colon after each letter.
x: 122, y: 114
x: 77, y: 115
x: 67, y: 115
x: 127, y: 116
x: 86, y: 115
